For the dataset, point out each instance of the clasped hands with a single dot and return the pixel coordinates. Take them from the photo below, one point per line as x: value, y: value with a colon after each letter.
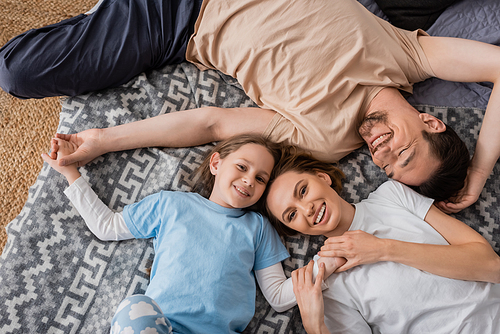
x: 357, y: 247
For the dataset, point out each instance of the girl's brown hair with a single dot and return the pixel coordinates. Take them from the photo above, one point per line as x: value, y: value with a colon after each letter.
x: 206, y: 180
x: 297, y: 160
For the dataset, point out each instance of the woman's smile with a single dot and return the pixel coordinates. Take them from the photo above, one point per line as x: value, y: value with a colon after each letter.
x: 321, y: 215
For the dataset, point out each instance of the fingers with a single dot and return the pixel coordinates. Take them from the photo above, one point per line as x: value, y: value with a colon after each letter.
x: 69, y: 159
x: 303, y: 275
x: 346, y: 266
x: 321, y: 275
x: 52, y: 162
x: 63, y: 136
x: 448, y: 207
x: 54, y: 147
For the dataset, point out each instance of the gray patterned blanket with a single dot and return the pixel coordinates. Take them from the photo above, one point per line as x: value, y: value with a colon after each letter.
x: 56, y: 277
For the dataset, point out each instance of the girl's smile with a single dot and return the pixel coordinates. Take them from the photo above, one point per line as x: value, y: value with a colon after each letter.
x: 241, y: 177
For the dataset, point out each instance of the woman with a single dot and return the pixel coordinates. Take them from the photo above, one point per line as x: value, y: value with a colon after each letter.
x: 412, y: 268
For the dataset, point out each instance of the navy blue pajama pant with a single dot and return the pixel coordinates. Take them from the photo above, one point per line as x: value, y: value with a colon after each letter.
x: 107, y: 48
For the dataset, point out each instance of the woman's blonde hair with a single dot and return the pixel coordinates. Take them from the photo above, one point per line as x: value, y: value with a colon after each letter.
x: 297, y: 160
x: 206, y: 179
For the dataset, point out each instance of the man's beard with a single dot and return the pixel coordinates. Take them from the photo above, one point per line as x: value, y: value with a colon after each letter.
x: 370, y: 121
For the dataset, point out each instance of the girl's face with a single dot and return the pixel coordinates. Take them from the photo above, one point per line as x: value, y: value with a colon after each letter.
x: 306, y: 203
x: 241, y: 177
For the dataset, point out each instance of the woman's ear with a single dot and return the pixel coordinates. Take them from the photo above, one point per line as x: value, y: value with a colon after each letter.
x: 214, y: 163
x: 434, y: 124
x: 325, y: 177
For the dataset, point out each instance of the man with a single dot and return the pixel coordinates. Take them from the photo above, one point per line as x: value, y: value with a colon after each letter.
x: 317, y: 70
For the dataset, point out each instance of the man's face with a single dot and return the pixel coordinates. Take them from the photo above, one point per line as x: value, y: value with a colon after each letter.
x: 398, y: 146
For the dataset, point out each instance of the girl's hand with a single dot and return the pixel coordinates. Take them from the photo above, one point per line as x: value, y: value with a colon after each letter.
x: 310, y: 297
x: 357, y: 247
x: 331, y: 264
x: 87, y: 147
x: 64, y: 148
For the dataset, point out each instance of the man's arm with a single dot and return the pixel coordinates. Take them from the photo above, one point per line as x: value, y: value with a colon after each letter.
x: 464, y: 60
x: 177, y: 129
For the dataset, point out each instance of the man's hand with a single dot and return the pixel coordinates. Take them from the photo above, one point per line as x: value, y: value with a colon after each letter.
x: 357, y: 247
x: 469, y: 194
x: 87, y: 146
x: 310, y: 298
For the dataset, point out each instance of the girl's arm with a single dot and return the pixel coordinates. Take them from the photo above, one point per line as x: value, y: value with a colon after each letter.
x: 101, y: 221
x: 468, y: 257
x: 278, y: 290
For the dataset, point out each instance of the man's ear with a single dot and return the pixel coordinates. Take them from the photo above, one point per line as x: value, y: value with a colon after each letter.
x: 325, y: 177
x: 214, y: 163
x: 434, y: 124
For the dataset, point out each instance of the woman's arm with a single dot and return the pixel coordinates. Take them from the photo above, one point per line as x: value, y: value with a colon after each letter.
x: 468, y: 257
x: 456, y: 59
x: 176, y: 129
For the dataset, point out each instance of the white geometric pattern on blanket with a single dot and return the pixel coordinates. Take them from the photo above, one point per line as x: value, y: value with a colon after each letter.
x: 56, y: 277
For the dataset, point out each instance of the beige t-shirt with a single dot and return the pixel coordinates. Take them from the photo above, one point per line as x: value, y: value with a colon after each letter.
x: 317, y: 63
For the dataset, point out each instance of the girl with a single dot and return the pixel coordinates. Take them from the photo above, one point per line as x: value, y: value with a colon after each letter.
x: 403, y: 285
x: 205, y: 249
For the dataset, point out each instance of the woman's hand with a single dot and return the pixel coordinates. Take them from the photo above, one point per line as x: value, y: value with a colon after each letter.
x: 310, y: 298
x: 357, y: 247
x: 88, y: 147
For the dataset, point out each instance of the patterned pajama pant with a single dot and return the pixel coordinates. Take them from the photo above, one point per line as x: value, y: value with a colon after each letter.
x: 139, y: 314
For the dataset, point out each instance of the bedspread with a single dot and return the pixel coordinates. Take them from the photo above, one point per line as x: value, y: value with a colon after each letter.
x: 56, y: 277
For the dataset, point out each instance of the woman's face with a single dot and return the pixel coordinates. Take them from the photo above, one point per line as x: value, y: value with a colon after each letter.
x: 305, y: 202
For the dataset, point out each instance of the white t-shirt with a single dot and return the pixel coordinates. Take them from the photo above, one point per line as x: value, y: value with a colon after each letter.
x: 389, y: 297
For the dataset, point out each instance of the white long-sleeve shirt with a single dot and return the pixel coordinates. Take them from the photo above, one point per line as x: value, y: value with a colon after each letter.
x: 110, y: 226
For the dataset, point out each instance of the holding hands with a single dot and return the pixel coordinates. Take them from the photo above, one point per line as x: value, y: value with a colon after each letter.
x: 60, y: 150
x: 85, y: 147
x: 357, y: 247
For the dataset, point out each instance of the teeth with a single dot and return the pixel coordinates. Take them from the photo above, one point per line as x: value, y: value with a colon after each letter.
x: 379, y: 140
x: 241, y: 191
x: 320, y: 215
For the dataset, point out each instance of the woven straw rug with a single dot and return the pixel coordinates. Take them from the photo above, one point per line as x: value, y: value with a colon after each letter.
x: 26, y: 125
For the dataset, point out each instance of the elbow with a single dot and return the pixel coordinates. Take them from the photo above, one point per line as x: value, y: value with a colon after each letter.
x: 280, y: 307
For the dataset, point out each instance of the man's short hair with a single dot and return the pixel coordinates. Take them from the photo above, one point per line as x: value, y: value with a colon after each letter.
x: 450, y: 176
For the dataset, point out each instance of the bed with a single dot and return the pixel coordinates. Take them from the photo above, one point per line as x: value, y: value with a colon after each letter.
x: 56, y: 277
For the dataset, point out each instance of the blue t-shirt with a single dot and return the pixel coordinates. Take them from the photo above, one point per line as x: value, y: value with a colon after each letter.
x: 202, y: 275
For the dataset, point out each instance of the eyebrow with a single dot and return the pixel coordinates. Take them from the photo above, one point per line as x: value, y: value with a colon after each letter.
x: 404, y: 163
x: 295, y: 194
